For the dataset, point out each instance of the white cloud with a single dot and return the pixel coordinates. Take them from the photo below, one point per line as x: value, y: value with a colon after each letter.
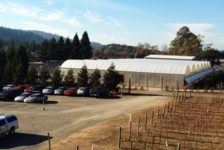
x: 92, y: 16
x: 29, y: 25
x: 37, y: 13
x: 73, y: 22
x: 49, y: 2
x: 114, y: 22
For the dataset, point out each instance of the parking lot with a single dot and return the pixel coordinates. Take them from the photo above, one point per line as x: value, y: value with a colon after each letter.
x: 64, y: 116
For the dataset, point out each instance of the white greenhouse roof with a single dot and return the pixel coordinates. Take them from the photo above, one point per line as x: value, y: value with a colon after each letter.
x: 172, y: 57
x: 141, y: 65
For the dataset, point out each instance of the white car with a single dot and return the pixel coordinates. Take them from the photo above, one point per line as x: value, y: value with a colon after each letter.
x: 21, y: 97
x: 8, y: 87
x: 37, y: 97
x: 8, y: 124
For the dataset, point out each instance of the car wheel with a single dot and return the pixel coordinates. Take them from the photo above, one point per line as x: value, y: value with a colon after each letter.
x: 12, y: 131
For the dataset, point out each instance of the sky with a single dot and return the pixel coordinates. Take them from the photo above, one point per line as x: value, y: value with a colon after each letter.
x: 118, y: 21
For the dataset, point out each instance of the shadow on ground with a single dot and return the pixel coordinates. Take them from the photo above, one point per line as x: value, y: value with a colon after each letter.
x: 21, y: 139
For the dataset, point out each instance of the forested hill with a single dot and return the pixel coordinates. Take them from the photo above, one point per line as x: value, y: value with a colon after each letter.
x: 19, y: 36
x: 24, y: 36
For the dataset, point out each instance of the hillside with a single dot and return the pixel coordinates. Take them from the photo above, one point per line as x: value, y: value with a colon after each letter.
x: 19, y: 36
x: 23, y: 36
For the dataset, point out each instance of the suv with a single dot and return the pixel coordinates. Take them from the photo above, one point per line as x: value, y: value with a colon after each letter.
x: 8, y: 124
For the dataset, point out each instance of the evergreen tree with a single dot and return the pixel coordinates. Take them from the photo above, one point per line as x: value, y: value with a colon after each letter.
x: 51, y: 49
x: 2, y: 65
x: 75, y: 53
x: 86, y: 49
x: 83, y: 77
x: 112, y: 78
x: 43, y: 52
x: 21, y: 63
x: 57, y: 78
x: 9, y: 68
x: 60, y: 49
x: 94, y: 79
x: 32, y: 76
x: 44, y: 75
x: 69, y: 79
x: 67, y: 49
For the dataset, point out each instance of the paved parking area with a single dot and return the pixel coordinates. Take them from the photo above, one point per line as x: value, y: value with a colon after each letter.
x: 64, y: 116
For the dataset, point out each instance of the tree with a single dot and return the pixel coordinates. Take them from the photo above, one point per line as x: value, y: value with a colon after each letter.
x: 185, y: 43
x: 57, y: 78
x: 75, y: 52
x: 94, y: 80
x: 2, y: 64
x: 86, y: 49
x: 44, y: 75
x: 67, y: 49
x: 51, y: 49
x: 21, y: 63
x: 32, y: 76
x: 83, y: 77
x: 43, y: 52
x: 59, y: 49
x: 112, y: 78
x: 9, y: 68
x: 69, y: 78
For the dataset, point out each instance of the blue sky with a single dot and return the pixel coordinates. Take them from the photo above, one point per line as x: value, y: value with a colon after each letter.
x: 118, y: 21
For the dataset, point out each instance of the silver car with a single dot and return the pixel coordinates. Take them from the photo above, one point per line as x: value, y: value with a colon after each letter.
x: 48, y: 90
x: 21, y: 97
x: 37, y: 97
x: 59, y: 91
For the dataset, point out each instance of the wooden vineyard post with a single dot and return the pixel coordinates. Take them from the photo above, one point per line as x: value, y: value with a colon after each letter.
x: 152, y: 142
x: 130, y: 127
x: 146, y: 121
x: 119, y: 138
x: 138, y: 125
x: 77, y: 147
x: 152, y: 116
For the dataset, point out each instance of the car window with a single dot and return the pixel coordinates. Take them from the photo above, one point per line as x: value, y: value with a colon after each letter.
x: 11, y: 118
x: 2, y: 122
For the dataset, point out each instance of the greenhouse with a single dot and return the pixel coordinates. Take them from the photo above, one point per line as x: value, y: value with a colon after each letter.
x: 147, y: 73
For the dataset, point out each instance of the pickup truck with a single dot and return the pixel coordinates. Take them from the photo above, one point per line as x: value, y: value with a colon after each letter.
x: 8, y: 124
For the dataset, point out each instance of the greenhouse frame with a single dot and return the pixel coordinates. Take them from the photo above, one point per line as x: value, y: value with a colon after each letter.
x: 147, y: 73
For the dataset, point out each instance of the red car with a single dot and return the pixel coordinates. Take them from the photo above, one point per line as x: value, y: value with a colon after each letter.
x: 70, y: 92
x: 28, y: 89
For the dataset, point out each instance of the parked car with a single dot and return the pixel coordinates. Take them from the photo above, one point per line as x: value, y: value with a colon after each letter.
x: 70, y: 92
x: 37, y: 89
x: 21, y: 97
x: 59, y: 91
x: 49, y: 90
x: 8, y: 87
x: 36, y: 97
x: 10, y: 94
x: 83, y: 91
x: 28, y: 89
x: 98, y: 92
x: 8, y: 124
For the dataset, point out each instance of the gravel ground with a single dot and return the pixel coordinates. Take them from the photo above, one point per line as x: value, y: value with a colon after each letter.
x: 64, y: 116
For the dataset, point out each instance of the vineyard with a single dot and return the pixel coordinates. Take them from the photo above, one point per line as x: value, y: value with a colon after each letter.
x: 190, y: 121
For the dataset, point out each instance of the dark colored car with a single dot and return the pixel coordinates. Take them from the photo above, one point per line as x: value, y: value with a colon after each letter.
x: 37, y: 89
x: 70, y: 92
x: 83, y: 91
x: 10, y: 94
x: 59, y: 91
x: 98, y: 92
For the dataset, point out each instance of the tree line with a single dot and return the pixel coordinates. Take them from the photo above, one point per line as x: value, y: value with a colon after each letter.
x: 65, y: 49
x: 111, y: 78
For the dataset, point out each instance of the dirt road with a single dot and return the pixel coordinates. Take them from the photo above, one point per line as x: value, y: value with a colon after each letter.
x: 66, y: 115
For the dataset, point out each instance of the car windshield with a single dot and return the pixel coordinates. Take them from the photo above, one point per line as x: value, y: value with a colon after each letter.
x: 4, y: 92
x: 50, y: 87
x: 25, y: 94
x: 34, y: 95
